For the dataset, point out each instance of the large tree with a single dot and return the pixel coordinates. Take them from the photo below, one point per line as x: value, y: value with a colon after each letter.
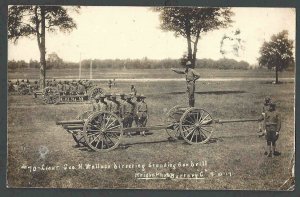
x: 277, y: 54
x: 27, y: 21
x: 192, y: 23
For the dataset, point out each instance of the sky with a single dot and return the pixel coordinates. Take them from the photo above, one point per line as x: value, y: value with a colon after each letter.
x: 133, y: 32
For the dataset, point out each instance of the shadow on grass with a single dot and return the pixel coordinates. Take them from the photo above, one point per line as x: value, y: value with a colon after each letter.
x: 212, y: 92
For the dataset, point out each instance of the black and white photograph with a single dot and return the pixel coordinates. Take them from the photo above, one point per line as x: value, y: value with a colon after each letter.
x: 159, y: 98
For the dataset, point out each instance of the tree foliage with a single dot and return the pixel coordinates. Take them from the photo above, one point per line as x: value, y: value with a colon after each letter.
x: 277, y: 53
x: 193, y: 22
x: 34, y: 21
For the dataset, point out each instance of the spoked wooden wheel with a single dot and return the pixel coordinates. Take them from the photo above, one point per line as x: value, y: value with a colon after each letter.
x: 172, y: 121
x: 78, y: 134
x: 103, y: 131
x: 94, y: 91
x: 51, y: 95
x: 196, y: 126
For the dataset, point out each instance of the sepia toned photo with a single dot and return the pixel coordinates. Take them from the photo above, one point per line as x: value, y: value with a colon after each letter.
x: 173, y: 98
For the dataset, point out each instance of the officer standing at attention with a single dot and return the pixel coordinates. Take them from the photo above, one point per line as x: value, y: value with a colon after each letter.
x: 191, y: 76
x: 272, y: 125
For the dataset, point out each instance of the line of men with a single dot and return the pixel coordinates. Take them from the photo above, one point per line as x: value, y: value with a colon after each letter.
x: 22, y: 84
x: 129, y: 108
x: 72, y: 88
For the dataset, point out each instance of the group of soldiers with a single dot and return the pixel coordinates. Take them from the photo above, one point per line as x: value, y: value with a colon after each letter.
x: 21, y: 85
x: 130, y: 108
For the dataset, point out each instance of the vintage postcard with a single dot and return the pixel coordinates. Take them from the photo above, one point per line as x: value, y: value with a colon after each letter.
x: 177, y: 98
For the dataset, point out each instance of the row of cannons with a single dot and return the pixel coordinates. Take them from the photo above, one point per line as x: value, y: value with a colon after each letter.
x: 54, y: 95
x: 103, y: 131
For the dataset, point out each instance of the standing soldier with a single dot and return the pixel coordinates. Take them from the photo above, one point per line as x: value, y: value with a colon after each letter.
x: 262, y: 129
x: 133, y: 90
x: 60, y: 88
x: 108, y: 100
x: 142, y: 113
x: 115, y: 105
x: 127, y: 113
x: 122, y: 101
x: 73, y: 90
x: 191, y: 76
x: 67, y: 89
x: 80, y: 90
x: 95, y: 103
x: 135, y: 110
x: 103, y: 105
x: 272, y: 125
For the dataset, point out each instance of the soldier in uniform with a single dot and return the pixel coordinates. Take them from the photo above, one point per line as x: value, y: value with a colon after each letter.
x: 122, y: 101
x: 127, y: 113
x: 60, y: 88
x: 115, y: 105
x: 142, y: 113
x: 95, y: 103
x: 191, y: 76
x: 103, y: 105
x: 262, y: 129
x: 80, y: 90
x: 108, y: 100
x: 272, y: 123
x: 133, y: 90
x: 67, y: 90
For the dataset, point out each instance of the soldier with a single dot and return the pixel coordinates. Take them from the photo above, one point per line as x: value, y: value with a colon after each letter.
x: 17, y: 82
x: 67, y: 90
x: 60, y: 89
x: 103, y: 105
x: 109, y: 84
x: 262, y: 129
x: 81, y: 90
x: 95, y: 103
x: 127, y: 113
x: 54, y: 83
x: 108, y: 100
x: 191, y: 76
x: 272, y: 123
x: 115, y: 105
x: 142, y: 113
x: 73, y: 90
x: 122, y: 101
x: 133, y: 90
x: 135, y: 104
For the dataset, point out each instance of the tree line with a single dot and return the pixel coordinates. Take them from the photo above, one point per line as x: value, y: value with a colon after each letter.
x: 130, y: 64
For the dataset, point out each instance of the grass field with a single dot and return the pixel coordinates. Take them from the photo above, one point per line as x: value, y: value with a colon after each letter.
x: 235, y: 150
x: 141, y: 73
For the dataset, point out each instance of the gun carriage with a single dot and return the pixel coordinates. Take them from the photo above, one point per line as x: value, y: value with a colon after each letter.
x: 103, y: 131
x: 51, y: 95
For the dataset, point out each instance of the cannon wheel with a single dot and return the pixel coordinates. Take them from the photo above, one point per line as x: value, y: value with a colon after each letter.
x: 173, y: 132
x: 196, y: 126
x: 51, y: 95
x: 94, y: 91
x: 103, y: 131
x: 78, y: 136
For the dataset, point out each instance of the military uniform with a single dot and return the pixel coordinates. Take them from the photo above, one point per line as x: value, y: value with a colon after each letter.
x: 191, y: 76
x: 272, y: 125
x: 142, y: 113
x: 127, y: 111
x: 103, y: 105
x: 115, y: 106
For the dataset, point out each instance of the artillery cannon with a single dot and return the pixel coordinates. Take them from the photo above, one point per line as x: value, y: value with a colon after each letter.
x: 51, y: 95
x: 103, y: 131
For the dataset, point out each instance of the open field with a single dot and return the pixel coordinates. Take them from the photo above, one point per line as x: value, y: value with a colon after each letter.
x: 235, y: 149
x: 143, y: 73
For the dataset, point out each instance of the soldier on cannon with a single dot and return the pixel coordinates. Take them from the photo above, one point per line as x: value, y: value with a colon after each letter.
x: 191, y: 76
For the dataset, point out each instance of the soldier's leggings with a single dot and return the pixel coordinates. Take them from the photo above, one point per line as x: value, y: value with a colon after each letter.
x: 191, y: 93
x: 128, y: 118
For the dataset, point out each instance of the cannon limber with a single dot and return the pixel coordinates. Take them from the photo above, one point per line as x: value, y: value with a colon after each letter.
x: 51, y: 95
x: 103, y: 131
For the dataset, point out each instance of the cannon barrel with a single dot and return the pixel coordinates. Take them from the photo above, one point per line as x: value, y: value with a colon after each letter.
x: 73, y: 127
x: 63, y: 122
x: 238, y: 120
